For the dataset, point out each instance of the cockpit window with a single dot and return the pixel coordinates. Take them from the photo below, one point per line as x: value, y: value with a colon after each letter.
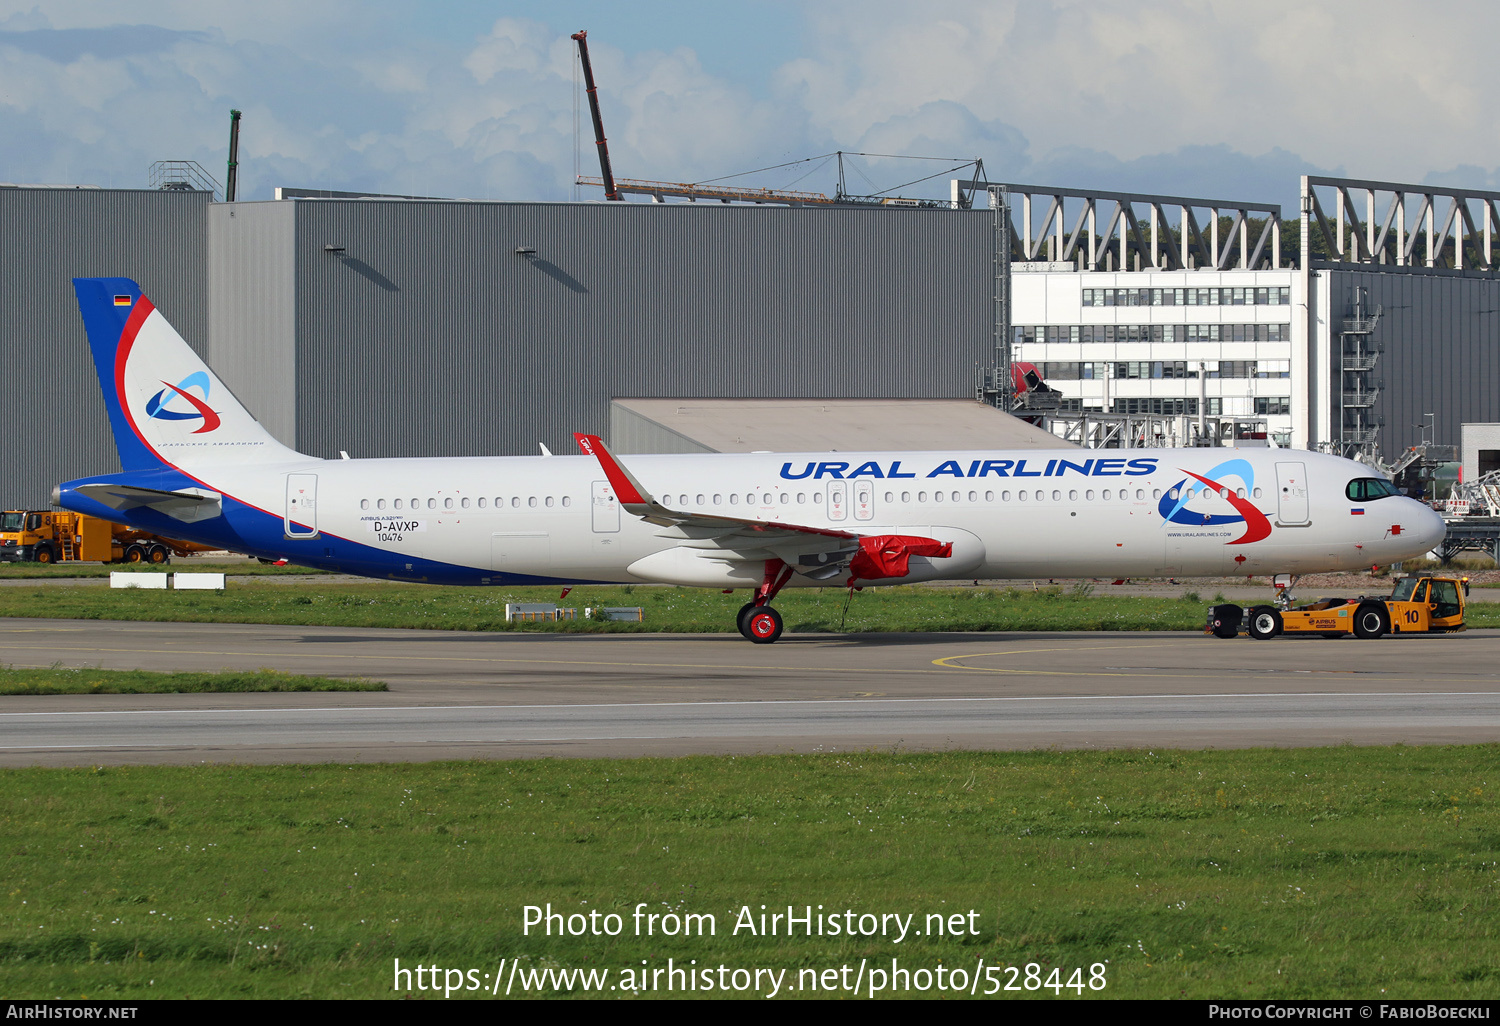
x: 1368, y: 489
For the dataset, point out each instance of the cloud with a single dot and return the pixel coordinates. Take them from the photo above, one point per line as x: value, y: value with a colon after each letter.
x: 1195, y: 97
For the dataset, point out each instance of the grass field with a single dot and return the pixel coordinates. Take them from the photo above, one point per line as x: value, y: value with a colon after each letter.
x: 1265, y: 873
x: 64, y: 681
x: 691, y: 610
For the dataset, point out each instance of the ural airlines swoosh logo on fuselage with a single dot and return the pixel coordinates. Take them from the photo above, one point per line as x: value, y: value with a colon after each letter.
x: 1177, y: 510
x: 156, y: 406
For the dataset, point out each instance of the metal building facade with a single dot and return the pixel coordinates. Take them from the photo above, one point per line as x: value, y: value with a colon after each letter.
x: 51, y: 417
x: 454, y: 329
x: 1440, y: 335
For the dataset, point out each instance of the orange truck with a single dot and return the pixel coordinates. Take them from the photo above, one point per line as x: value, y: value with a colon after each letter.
x: 58, y: 536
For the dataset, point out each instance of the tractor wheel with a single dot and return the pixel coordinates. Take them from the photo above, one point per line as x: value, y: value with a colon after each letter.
x: 1371, y: 621
x: 1265, y: 622
x: 44, y: 554
x: 159, y: 554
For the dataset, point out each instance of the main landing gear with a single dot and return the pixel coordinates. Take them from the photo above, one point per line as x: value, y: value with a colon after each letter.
x: 757, y: 620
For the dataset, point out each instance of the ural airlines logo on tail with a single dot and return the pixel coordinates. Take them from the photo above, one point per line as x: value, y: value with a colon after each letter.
x: 156, y: 406
x: 1178, y: 510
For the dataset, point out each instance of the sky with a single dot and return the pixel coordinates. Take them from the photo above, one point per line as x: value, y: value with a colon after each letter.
x: 1202, y: 98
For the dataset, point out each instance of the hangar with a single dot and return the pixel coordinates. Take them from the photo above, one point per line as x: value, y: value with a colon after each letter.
x: 387, y: 326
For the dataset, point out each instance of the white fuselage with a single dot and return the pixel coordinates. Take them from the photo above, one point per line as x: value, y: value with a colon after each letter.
x: 1010, y: 514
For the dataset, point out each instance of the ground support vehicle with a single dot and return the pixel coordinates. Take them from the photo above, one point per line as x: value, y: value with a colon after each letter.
x: 58, y: 536
x: 1420, y: 604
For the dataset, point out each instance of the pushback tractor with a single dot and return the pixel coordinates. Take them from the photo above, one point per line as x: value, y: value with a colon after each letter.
x: 1420, y: 604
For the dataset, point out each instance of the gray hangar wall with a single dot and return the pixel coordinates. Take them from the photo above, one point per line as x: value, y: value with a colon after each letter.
x: 52, y: 418
x: 1441, y: 337
x: 406, y: 328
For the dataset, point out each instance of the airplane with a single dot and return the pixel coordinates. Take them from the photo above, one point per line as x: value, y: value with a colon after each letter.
x: 197, y: 465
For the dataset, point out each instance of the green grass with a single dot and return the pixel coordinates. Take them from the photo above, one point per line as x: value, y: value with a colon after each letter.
x: 253, y: 568
x: 1265, y: 873
x: 681, y: 610
x: 667, y: 609
x: 64, y: 681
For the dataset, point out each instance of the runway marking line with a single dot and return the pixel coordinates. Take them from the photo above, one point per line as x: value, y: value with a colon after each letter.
x: 765, y: 702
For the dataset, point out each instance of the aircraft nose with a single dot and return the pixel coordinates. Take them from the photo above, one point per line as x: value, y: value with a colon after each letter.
x: 1432, y: 529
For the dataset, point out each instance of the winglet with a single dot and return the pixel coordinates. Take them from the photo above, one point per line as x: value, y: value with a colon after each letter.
x: 627, y: 488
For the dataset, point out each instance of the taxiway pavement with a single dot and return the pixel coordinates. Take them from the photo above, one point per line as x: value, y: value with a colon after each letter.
x: 494, y: 695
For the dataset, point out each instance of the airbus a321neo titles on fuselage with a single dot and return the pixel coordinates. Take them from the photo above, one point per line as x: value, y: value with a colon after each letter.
x: 197, y: 465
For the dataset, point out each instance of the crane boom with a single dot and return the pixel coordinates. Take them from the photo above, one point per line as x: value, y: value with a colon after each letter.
x: 610, y: 193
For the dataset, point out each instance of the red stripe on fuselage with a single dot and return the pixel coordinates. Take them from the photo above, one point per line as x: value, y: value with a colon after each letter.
x: 1256, y: 524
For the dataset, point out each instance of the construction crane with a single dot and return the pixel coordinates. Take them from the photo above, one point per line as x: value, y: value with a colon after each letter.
x: 610, y: 192
x: 694, y: 191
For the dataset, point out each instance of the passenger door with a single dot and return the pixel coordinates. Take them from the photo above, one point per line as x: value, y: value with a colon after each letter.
x: 1291, y: 494
x: 301, y: 518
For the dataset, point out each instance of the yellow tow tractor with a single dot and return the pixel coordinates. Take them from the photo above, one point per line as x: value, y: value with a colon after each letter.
x: 1420, y: 604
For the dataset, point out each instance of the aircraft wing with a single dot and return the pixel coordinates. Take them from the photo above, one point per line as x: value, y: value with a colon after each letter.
x: 817, y: 552
x: 188, y: 505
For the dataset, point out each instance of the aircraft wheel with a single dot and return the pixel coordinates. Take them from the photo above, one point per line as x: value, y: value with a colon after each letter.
x: 159, y: 554
x: 1265, y: 622
x: 44, y: 554
x: 742, y: 616
x: 135, y: 554
x: 763, y: 625
x: 1370, y: 622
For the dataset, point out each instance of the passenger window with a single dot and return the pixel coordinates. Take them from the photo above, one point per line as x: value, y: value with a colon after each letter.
x: 1156, y: 493
x: 1021, y: 496
x: 432, y: 504
x: 801, y: 497
x: 1106, y: 495
x: 364, y: 503
x: 1240, y: 492
x: 1089, y: 495
x: 1056, y: 495
x: 890, y: 496
x: 447, y: 503
x: 380, y: 504
x: 973, y: 496
x: 817, y: 496
x: 1040, y: 495
x: 1005, y: 496
x: 1140, y: 493
x: 531, y: 501
x: 989, y: 496
x: 1072, y: 495
x: 481, y: 503
x: 937, y: 496
x: 718, y: 500
x: 906, y: 496
x: 549, y: 502
x: 515, y: 502
x: 700, y: 500
x: 397, y: 504
x: 786, y: 497
x: 1258, y: 493
x: 921, y: 496
x: 734, y: 498
x: 955, y: 496
x: 767, y: 498
x: 567, y: 500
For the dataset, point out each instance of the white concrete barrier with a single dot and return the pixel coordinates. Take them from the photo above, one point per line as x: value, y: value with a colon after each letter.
x: 130, y: 579
x: 198, y: 582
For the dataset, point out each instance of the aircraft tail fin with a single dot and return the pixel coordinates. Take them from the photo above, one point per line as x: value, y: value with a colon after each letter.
x: 166, y: 407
